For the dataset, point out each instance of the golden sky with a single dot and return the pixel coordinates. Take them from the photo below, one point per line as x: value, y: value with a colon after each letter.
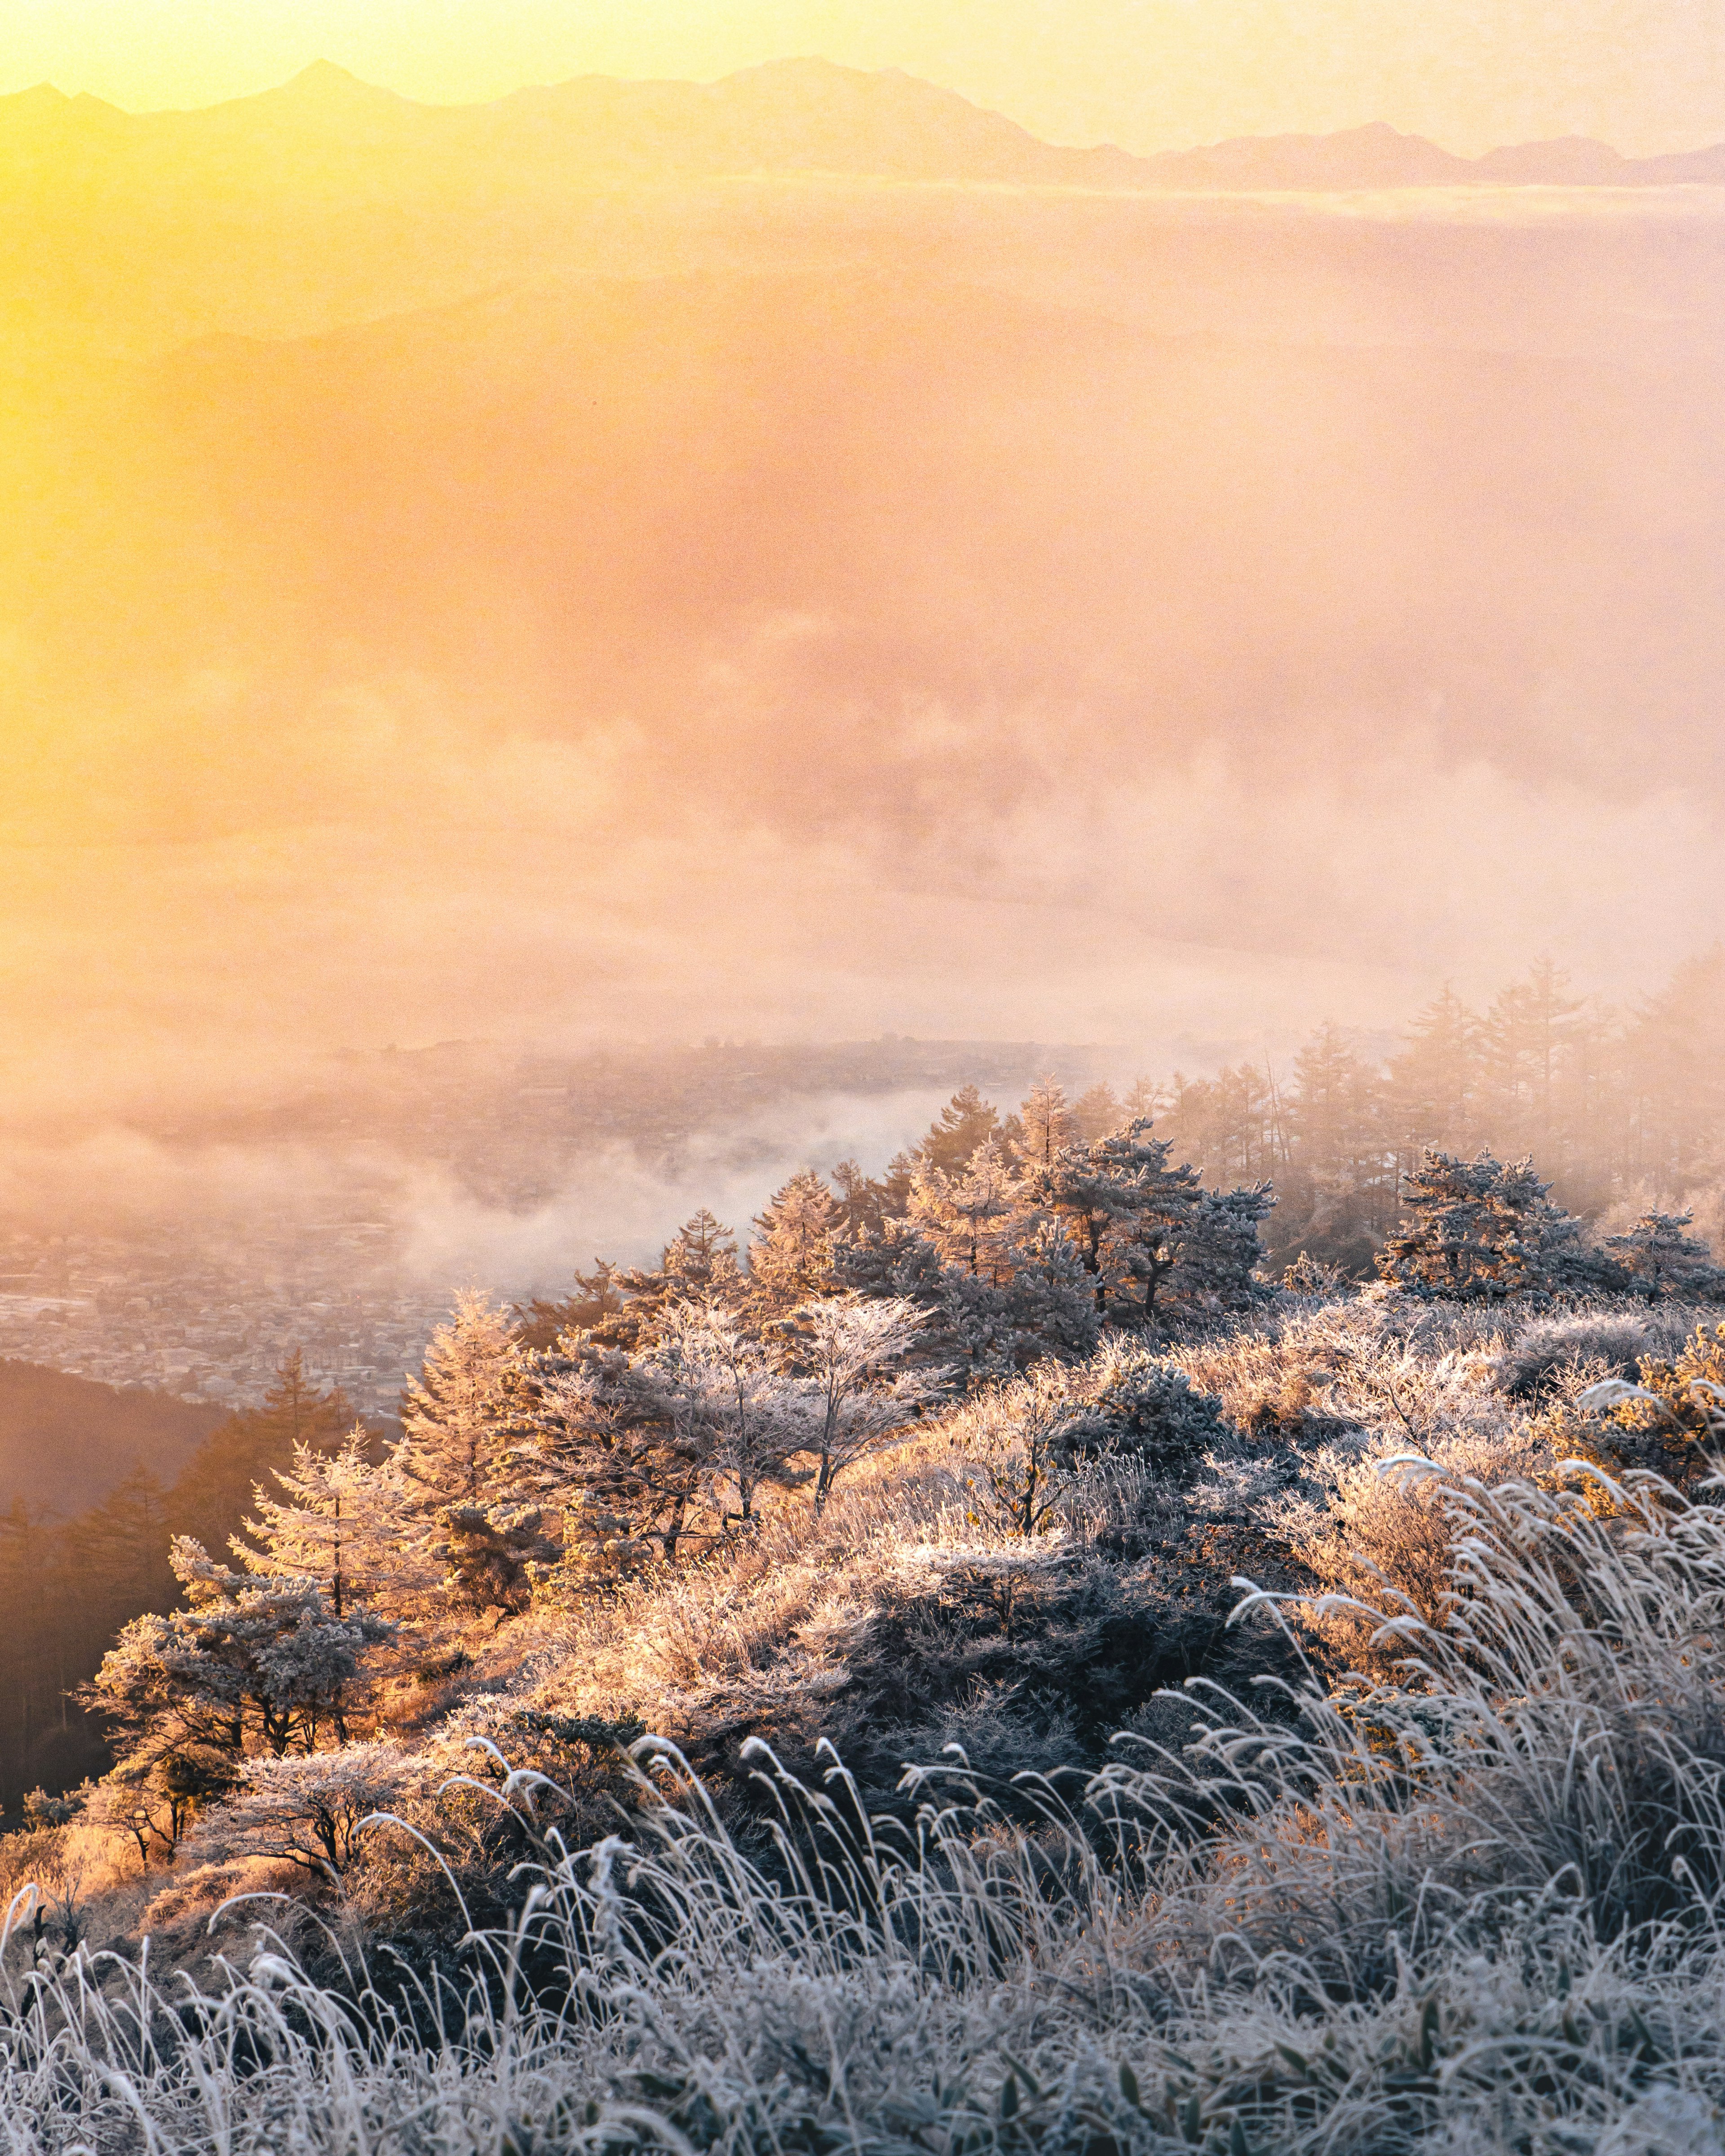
x: 1646, y: 74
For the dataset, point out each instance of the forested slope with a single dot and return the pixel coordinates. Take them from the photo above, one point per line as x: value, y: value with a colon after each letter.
x: 65, y: 1441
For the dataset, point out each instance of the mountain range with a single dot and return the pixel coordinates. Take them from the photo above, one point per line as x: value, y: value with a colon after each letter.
x: 326, y: 132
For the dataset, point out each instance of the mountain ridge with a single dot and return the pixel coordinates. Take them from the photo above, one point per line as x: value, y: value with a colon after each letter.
x: 796, y: 115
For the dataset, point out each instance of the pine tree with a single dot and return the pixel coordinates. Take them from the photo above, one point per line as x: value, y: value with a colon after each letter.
x: 336, y: 1527
x: 1221, y: 1252
x: 795, y: 1251
x: 1046, y: 1124
x: 597, y: 1297
x: 464, y: 1422
x: 250, y: 1660
x: 1124, y: 1209
x: 1097, y: 1111
x: 1479, y: 1230
x: 462, y: 1416
x: 1661, y: 1261
x: 1435, y: 1081
x: 964, y: 1212
x: 212, y: 1490
x: 1337, y: 1196
x: 635, y: 1447
x: 862, y: 1200
x: 967, y: 1122
x: 1524, y: 1040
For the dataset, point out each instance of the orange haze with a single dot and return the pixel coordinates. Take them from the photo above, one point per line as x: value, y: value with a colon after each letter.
x: 475, y: 573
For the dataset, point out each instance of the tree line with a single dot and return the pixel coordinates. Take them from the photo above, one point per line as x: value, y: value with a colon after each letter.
x: 1620, y: 1108
x: 644, y: 1414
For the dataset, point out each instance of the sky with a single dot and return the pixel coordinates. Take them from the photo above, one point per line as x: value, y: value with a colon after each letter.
x: 1648, y: 75
x: 447, y: 595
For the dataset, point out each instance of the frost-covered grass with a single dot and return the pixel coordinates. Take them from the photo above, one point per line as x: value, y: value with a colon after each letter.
x: 1467, y: 1897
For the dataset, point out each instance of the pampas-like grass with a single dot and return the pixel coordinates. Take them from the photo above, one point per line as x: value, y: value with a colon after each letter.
x: 1472, y: 1901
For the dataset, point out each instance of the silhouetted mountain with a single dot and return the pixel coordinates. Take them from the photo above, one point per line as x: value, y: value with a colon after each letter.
x: 65, y: 1442
x: 326, y: 132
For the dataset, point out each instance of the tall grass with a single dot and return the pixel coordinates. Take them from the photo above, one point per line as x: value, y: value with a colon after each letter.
x: 1471, y: 1902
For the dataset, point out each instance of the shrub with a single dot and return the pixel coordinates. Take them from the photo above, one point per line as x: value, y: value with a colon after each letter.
x: 1611, y: 1341
x: 1129, y: 1401
x: 308, y: 1812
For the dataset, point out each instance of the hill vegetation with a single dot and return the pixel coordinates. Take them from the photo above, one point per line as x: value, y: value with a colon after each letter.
x: 990, y: 1669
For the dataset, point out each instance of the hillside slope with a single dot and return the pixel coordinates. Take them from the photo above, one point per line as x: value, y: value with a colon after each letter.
x: 65, y: 1442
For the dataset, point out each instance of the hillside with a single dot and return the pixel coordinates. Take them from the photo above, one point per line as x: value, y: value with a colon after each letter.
x: 1110, y: 1853
x: 65, y: 1442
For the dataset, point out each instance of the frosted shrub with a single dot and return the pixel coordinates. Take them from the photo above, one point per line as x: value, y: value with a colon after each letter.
x: 308, y: 1812
x: 1613, y: 1340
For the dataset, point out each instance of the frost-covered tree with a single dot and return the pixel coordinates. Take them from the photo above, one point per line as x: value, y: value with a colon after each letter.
x: 464, y: 1423
x: 648, y: 1446
x: 796, y: 1243
x: 861, y: 1199
x: 699, y: 1264
x: 597, y: 1298
x: 1123, y: 1207
x: 251, y: 1662
x: 310, y: 1812
x: 850, y: 1350
x: 744, y: 1417
x: 1480, y: 1230
x: 1048, y: 1296
x: 1659, y: 1260
x: 965, y: 1212
x: 1046, y: 1124
x: 1221, y: 1252
x: 461, y: 1416
x: 336, y: 1524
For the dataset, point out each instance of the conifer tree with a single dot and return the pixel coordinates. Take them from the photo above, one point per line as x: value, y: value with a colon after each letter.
x: 1046, y: 1122
x: 699, y: 1264
x: 964, y: 1212
x: 862, y: 1200
x: 1435, y: 1081
x: 249, y: 1660
x: 967, y: 1122
x: 633, y: 1447
x: 336, y: 1527
x: 597, y: 1298
x: 463, y: 1423
x: 1096, y: 1111
x: 1480, y: 1230
x: 795, y: 1251
x: 1661, y: 1261
x: 462, y: 1414
x: 212, y: 1490
x: 1123, y: 1207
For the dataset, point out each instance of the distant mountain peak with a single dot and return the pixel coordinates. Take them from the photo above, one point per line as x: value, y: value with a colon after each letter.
x: 325, y: 82
x: 40, y: 97
x: 325, y: 75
